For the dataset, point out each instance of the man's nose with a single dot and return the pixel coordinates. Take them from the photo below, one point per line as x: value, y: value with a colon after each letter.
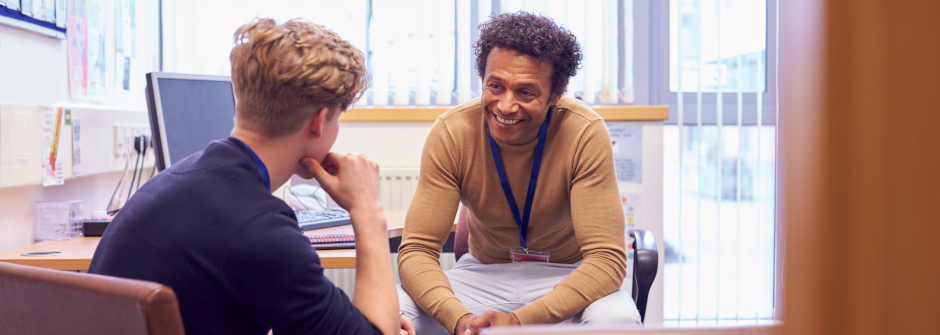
x: 507, y: 104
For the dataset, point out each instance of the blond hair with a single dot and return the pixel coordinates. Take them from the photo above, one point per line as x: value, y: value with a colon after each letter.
x: 284, y: 73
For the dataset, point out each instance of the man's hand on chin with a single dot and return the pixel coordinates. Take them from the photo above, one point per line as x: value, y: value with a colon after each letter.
x: 471, y: 324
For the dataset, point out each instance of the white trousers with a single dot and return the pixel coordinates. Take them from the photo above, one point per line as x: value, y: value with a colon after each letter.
x: 508, y: 287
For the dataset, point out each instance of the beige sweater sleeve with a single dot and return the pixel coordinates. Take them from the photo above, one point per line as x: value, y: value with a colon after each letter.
x: 598, y: 221
x: 427, y: 225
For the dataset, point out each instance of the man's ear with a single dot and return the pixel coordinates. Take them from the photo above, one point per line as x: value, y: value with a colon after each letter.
x: 554, y: 99
x: 319, y: 119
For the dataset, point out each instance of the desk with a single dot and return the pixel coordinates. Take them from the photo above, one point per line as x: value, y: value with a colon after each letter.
x: 78, y: 252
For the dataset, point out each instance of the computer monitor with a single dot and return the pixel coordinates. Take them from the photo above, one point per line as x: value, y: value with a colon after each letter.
x: 187, y: 112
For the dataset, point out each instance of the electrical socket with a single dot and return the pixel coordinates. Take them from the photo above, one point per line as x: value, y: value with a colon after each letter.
x: 124, y: 134
x: 119, y: 136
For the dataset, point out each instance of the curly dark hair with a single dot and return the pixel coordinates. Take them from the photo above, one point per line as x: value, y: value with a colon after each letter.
x: 533, y: 35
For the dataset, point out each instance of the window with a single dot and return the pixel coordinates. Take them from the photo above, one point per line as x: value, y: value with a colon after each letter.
x: 419, y: 52
x: 720, y: 157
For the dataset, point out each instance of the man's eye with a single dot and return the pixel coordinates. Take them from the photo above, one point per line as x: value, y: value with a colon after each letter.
x: 528, y: 94
x: 494, y: 86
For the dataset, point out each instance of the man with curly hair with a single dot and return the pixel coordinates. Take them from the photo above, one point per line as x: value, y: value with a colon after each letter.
x: 535, y: 172
x: 209, y: 228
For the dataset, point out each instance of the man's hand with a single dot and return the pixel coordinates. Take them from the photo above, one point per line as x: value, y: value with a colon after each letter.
x: 471, y: 324
x: 351, y: 180
x: 406, y: 327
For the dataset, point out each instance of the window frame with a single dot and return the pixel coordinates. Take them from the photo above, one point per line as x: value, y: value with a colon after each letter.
x: 657, y: 63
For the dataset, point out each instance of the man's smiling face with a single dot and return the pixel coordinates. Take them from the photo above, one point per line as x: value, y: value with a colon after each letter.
x: 516, y: 95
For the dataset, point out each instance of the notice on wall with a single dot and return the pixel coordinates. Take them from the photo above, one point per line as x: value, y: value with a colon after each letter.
x: 76, y: 146
x: 60, y: 10
x: 26, y: 7
x: 77, y: 36
x: 13, y: 5
x: 631, y: 208
x: 52, y: 124
x: 97, y: 68
x: 627, y: 142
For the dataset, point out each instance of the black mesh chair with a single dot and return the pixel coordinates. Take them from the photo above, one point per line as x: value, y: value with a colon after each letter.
x: 645, y: 259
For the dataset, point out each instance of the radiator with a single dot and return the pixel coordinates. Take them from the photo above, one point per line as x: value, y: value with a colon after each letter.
x: 397, y: 187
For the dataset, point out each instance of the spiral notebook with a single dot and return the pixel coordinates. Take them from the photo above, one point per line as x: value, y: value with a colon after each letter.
x: 333, y: 241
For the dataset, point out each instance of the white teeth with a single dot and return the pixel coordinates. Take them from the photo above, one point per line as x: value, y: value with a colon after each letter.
x: 504, y: 121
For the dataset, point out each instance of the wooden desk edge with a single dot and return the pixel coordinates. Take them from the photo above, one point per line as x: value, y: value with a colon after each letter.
x: 330, y: 259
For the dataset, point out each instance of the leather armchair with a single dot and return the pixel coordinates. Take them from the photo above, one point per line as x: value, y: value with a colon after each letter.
x: 42, y: 301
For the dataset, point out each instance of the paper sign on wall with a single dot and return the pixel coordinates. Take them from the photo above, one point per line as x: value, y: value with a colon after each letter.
x: 631, y: 208
x: 76, y: 146
x: 52, y: 124
x: 627, y: 142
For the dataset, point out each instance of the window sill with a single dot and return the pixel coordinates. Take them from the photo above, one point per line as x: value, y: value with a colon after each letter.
x: 429, y: 113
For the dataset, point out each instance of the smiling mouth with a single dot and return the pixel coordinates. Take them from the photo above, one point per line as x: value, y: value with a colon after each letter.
x: 504, y: 121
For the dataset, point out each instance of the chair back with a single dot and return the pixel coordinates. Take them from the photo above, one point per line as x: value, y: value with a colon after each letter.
x: 645, y: 266
x: 42, y: 301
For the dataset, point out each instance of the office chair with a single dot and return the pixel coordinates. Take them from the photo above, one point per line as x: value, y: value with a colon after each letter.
x: 645, y: 260
x: 42, y: 301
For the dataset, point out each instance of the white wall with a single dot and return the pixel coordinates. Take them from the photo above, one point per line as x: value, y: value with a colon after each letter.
x: 389, y: 144
x: 33, y: 73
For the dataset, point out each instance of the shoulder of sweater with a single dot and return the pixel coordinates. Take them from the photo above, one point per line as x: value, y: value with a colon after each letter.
x: 461, y: 112
x: 578, y: 108
x: 462, y: 119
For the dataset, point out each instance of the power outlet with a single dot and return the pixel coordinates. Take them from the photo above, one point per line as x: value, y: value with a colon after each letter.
x: 124, y: 134
x: 120, y: 136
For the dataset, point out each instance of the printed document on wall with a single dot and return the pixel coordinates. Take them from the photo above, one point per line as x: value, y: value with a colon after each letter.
x: 13, y: 5
x: 52, y: 124
x: 76, y: 146
x: 77, y: 36
x: 97, y: 68
x: 627, y: 142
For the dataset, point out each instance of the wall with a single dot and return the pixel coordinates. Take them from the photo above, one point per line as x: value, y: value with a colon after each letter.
x: 34, y: 73
x: 859, y: 159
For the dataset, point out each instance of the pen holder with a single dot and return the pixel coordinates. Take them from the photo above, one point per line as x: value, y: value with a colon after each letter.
x: 57, y: 220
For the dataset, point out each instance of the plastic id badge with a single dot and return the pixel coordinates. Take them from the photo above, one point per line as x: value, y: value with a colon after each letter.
x: 523, y: 255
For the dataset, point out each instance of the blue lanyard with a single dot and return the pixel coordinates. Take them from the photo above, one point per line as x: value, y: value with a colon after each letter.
x: 259, y: 164
x: 522, y: 222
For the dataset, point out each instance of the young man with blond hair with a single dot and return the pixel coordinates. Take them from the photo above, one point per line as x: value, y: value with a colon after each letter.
x: 209, y: 227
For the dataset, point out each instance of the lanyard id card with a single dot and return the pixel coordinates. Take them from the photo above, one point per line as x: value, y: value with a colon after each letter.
x: 520, y: 255
x: 523, y: 254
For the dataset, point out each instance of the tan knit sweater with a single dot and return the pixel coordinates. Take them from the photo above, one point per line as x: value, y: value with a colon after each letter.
x: 576, y: 212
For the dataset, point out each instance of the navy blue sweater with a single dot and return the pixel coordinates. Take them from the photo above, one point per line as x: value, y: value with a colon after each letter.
x: 209, y: 228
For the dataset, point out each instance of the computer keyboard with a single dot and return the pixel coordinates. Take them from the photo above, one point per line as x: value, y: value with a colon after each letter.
x: 337, y: 245
x: 332, y: 217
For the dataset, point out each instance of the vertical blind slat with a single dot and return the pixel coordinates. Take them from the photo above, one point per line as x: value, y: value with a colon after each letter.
x: 718, y: 157
x: 737, y: 171
x: 681, y: 110
x: 698, y: 166
x: 463, y: 51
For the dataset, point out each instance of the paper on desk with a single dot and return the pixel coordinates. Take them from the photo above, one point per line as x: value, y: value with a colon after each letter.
x: 13, y: 5
x: 52, y: 124
x: 627, y: 142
